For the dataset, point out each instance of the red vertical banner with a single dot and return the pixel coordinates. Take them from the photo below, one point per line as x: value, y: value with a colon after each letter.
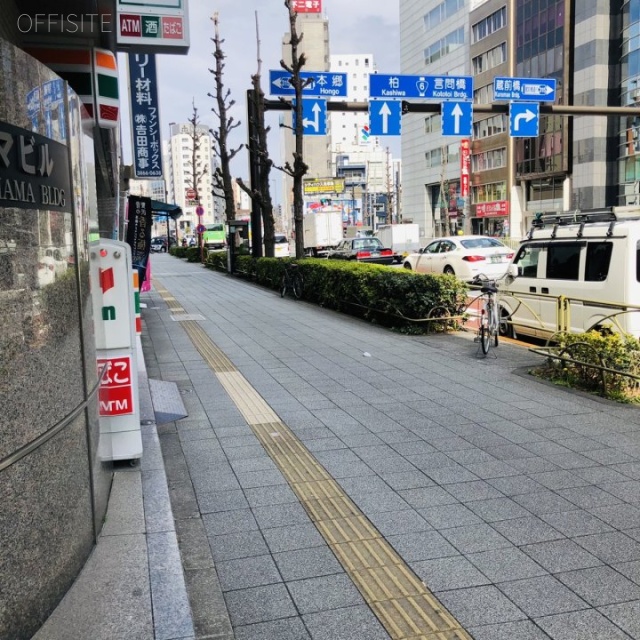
x: 465, y: 167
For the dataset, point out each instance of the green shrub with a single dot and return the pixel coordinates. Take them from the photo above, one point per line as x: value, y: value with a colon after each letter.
x: 392, y: 297
x: 612, y: 351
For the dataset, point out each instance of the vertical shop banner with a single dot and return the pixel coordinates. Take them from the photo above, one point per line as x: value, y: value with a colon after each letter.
x: 465, y: 167
x: 145, y: 120
x: 140, y: 220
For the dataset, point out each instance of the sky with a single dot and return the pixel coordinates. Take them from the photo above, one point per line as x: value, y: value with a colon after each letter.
x: 355, y: 26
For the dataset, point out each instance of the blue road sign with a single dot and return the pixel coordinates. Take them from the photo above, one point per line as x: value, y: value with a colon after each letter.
x: 524, y: 119
x: 314, y: 117
x: 385, y: 117
x: 438, y: 87
x: 323, y: 84
x: 457, y: 119
x: 542, y: 89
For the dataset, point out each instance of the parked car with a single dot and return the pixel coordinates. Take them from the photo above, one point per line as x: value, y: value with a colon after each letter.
x: 369, y: 250
x: 281, y: 248
x: 462, y: 256
x: 159, y: 245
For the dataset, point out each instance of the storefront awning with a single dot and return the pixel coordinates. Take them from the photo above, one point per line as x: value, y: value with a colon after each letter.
x: 172, y: 211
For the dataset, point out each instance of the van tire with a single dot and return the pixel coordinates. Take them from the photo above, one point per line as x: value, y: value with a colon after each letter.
x: 505, y: 329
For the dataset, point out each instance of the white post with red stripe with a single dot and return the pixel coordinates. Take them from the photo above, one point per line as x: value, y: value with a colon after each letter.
x: 114, y: 307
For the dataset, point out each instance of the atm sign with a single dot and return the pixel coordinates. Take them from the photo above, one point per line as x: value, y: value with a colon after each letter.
x: 115, y: 394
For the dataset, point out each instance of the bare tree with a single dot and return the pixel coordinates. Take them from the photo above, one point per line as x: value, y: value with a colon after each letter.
x: 299, y: 167
x: 222, y: 181
x: 197, y: 168
x: 258, y: 132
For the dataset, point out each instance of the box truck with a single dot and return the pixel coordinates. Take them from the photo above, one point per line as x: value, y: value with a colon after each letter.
x: 322, y: 231
x: 403, y: 239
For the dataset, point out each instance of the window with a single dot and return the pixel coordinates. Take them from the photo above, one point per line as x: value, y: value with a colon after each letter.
x: 490, y: 126
x: 489, y: 59
x: 483, y: 95
x: 563, y: 261
x: 527, y: 261
x: 598, y: 260
x: 489, y: 192
x: 433, y: 158
x: 486, y: 160
x: 489, y: 25
x: 440, y: 13
x: 432, y: 123
x: 442, y: 47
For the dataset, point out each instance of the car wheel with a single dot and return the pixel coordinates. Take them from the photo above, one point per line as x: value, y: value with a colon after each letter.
x: 449, y: 270
x: 164, y: 250
x: 505, y: 328
x: 407, y: 265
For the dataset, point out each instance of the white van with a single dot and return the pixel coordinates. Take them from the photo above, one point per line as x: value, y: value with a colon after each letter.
x: 572, y: 272
x: 282, y: 246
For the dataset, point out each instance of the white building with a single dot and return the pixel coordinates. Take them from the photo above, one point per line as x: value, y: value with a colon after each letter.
x: 179, y: 159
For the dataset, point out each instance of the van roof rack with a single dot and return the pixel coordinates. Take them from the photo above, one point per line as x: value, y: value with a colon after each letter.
x: 583, y: 217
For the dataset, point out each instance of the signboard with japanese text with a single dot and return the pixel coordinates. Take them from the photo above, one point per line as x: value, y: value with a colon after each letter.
x: 401, y: 87
x: 153, y: 26
x: 34, y: 171
x: 115, y: 394
x: 465, y: 167
x: 145, y: 121
x: 140, y: 221
x: 320, y: 185
x: 320, y: 84
x: 492, y: 209
x: 307, y: 6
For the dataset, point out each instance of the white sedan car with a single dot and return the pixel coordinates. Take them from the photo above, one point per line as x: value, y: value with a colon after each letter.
x: 462, y: 256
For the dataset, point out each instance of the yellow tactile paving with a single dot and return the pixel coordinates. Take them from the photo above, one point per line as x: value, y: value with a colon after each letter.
x: 399, y: 599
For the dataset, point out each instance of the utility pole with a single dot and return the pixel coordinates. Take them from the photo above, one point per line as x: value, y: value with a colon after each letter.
x: 389, y: 217
x: 444, y: 193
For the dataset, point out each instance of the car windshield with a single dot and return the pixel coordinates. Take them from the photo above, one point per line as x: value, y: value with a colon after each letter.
x: 281, y: 239
x: 481, y: 243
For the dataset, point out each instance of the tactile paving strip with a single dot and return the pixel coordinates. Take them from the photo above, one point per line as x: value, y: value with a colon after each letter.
x: 399, y: 599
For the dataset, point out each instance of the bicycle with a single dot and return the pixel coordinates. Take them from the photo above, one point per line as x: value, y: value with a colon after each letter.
x: 291, y: 280
x: 489, y: 328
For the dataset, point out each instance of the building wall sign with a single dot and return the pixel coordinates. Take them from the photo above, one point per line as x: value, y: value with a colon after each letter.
x: 323, y: 185
x: 145, y: 121
x: 307, y: 6
x: 34, y: 171
x: 492, y: 209
x: 154, y: 26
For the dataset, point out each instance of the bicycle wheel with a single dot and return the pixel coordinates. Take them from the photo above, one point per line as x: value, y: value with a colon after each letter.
x: 298, y: 285
x: 484, y: 335
x: 283, y: 285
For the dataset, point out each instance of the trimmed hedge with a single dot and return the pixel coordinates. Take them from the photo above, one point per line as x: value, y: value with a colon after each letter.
x: 395, y: 298
x: 613, y: 351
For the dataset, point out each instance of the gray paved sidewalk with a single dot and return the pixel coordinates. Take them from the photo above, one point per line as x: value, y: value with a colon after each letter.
x: 516, y: 502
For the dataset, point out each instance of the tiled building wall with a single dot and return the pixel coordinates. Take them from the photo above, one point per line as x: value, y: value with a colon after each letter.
x: 594, y: 137
x: 53, y: 489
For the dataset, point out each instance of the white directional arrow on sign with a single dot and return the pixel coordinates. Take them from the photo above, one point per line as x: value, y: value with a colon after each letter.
x: 315, y: 123
x: 385, y: 112
x: 527, y: 116
x: 282, y: 82
x: 457, y: 114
